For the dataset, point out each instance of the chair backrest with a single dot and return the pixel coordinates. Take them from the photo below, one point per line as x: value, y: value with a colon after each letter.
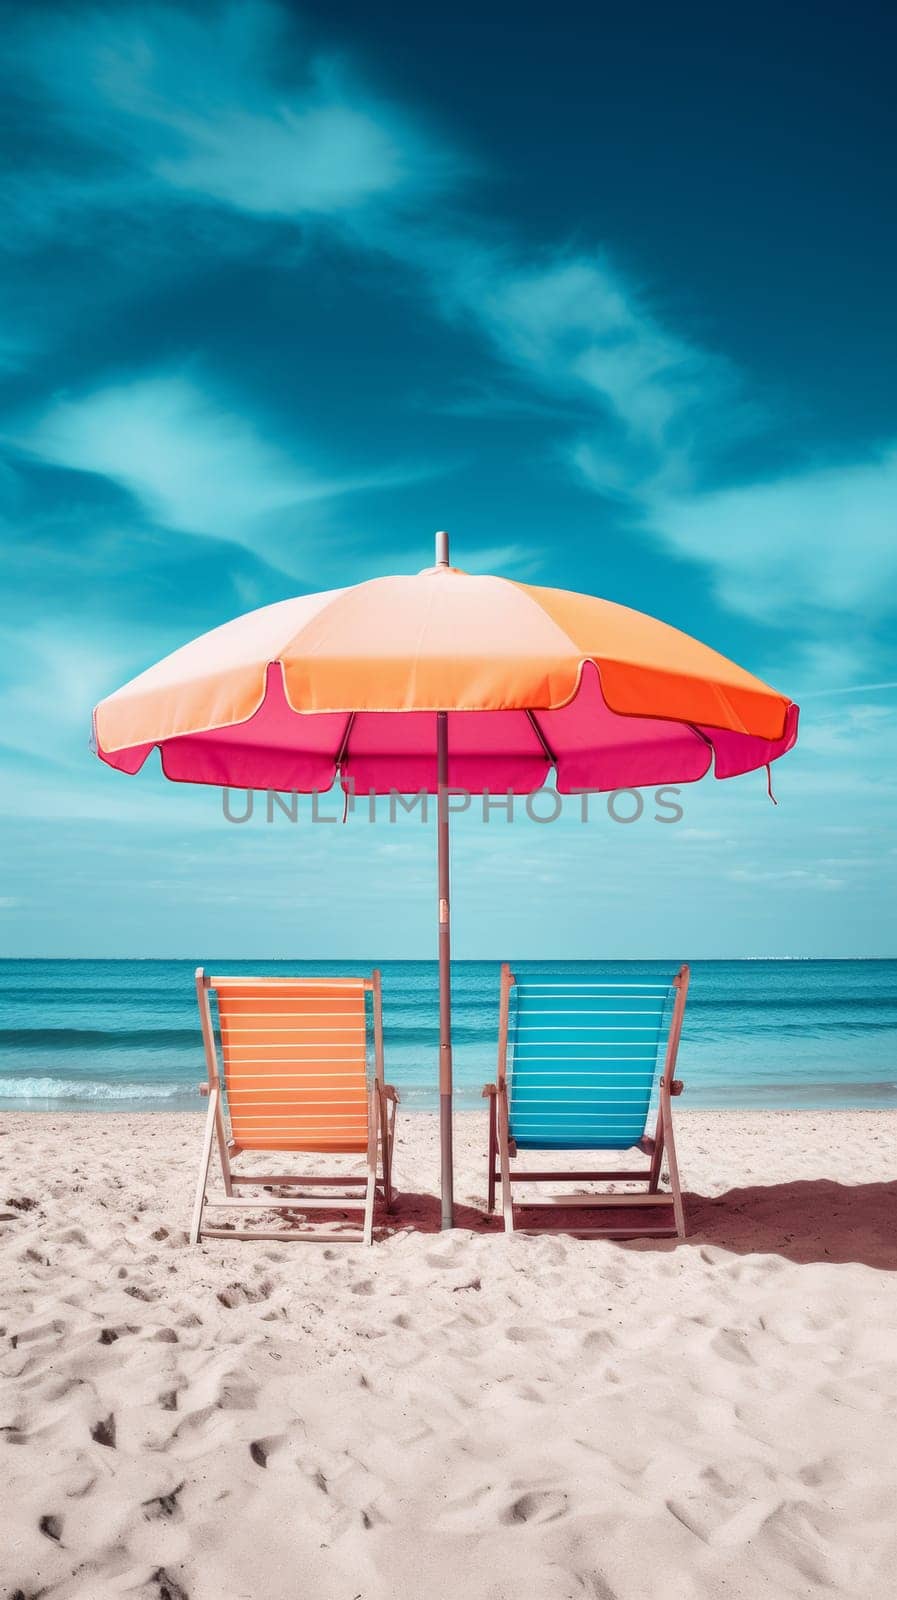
x: 295, y: 1055
x: 583, y: 1060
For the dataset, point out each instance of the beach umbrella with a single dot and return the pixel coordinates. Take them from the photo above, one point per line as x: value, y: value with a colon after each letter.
x: 445, y: 681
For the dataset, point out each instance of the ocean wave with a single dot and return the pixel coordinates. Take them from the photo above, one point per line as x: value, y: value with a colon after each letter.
x: 20, y: 1088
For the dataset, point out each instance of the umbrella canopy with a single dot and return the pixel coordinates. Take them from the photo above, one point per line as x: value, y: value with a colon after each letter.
x: 349, y: 682
x: 445, y: 680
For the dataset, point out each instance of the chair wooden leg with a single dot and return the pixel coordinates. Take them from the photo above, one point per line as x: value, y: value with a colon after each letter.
x: 673, y: 1165
x: 221, y: 1134
x: 387, y: 1135
x: 371, y: 1191
x: 490, y: 1182
x: 393, y: 1114
x: 507, y: 1204
x: 208, y: 1135
x: 656, y: 1156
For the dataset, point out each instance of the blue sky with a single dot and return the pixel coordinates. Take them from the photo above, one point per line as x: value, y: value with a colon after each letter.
x: 608, y: 295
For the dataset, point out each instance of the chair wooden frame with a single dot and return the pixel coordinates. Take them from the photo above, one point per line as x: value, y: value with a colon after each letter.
x: 381, y: 1121
x: 502, y: 1149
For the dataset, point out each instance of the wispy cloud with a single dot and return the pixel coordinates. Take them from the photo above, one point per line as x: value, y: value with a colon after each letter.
x: 853, y: 688
x: 643, y: 404
x: 816, y: 538
x: 194, y: 463
x: 573, y: 326
x: 50, y: 681
x: 790, y: 878
x: 869, y: 728
x: 231, y: 113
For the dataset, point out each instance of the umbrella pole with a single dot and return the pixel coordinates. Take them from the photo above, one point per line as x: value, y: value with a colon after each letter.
x: 445, y: 975
x: 445, y: 950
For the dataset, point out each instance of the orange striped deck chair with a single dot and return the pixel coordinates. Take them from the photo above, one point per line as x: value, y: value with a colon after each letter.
x: 300, y: 1072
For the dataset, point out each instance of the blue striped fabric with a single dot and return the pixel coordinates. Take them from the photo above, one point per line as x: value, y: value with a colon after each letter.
x: 582, y: 1062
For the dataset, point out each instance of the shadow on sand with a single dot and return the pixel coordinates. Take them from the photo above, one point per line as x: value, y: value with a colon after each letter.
x: 816, y: 1220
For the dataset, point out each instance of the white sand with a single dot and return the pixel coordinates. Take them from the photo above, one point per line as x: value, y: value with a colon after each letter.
x: 450, y: 1415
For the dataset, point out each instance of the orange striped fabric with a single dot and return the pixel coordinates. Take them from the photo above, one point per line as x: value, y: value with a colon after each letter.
x: 295, y: 1062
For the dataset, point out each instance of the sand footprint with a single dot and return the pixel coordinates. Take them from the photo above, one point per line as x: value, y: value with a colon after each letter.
x: 241, y: 1294
x: 237, y: 1396
x: 194, y: 1420
x: 818, y: 1473
x: 79, y: 1490
x: 599, y: 1341
x: 104, y: 1431
x: 262, y: 1450
x: 595, y: 1586
x: 65, y: 1386
x: 537, y: 1505
x: 165, y: 1587
x: 732, y: 1346
x: 163, y: 1507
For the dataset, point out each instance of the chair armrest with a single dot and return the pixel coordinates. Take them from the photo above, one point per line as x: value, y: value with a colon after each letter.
x: 489, y: 1089
x: 391, y: 1093
x: 203, y: 1088
x: 676, y: 1085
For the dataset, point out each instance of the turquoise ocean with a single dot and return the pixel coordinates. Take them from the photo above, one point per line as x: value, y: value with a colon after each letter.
x: 124, y: 1035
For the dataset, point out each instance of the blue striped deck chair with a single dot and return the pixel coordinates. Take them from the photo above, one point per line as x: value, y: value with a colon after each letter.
x: 578, y: 1062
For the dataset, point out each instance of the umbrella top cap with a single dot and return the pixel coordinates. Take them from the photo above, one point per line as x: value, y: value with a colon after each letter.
x: 442, y: 557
